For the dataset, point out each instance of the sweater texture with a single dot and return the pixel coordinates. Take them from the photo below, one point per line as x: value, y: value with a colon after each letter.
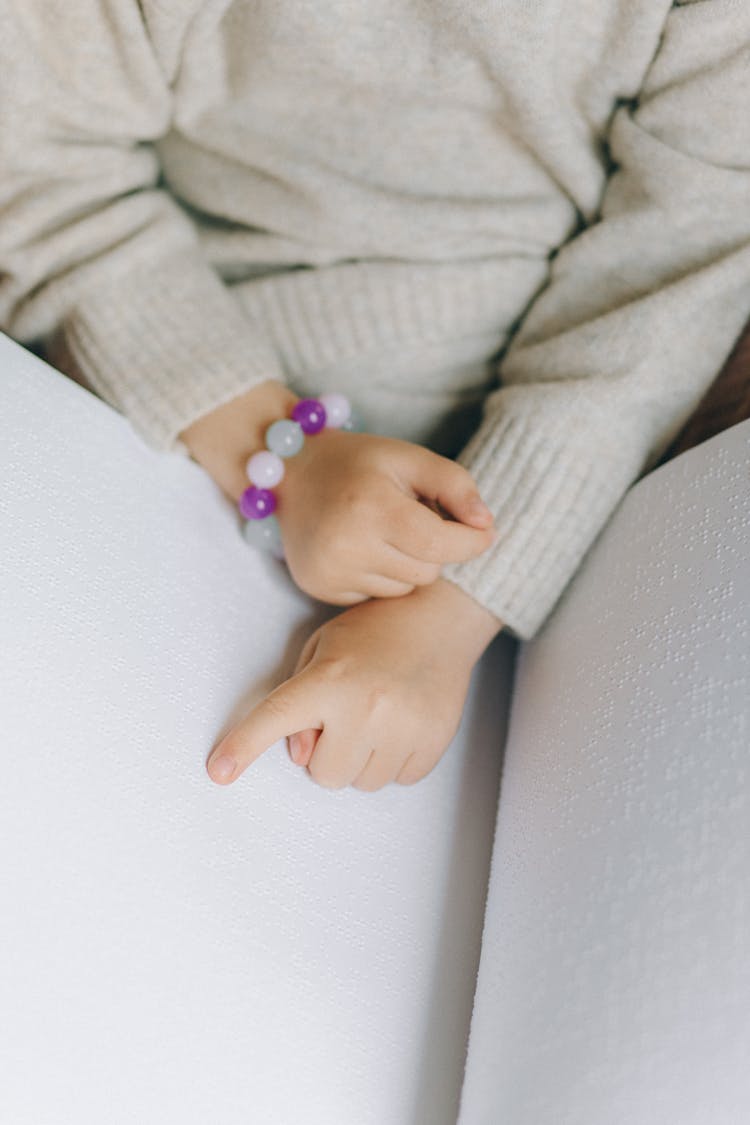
x: 517, y: 232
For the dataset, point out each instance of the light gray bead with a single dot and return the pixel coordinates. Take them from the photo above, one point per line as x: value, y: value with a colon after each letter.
x: 285, y: 437
x: 264, y: 534
x: 354, y: 422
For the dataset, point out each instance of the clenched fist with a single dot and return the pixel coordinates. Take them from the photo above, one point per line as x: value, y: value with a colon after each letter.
x: 359, y: 516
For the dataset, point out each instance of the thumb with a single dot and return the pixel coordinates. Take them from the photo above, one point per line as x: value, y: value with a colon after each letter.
x: 302, y: 746
x: 302, y: 743
x: 450, y: 490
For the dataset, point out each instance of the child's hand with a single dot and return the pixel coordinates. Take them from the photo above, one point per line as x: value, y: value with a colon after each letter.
x: 383, y: 683
x: 349, y: 504
x: 354, y: 525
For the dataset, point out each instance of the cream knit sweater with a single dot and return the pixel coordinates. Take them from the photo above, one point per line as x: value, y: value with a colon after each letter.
x: 541, y: 209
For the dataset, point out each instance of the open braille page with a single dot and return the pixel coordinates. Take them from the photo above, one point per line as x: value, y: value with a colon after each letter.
x: 173, y: 952
x: 614, y: 980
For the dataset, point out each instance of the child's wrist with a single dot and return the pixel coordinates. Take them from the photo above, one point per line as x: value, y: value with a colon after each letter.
x: 223, y: 439
x: 460, y: 621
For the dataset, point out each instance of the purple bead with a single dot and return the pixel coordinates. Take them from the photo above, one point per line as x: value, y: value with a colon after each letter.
x: 257, y: 503
x: 310, y: 414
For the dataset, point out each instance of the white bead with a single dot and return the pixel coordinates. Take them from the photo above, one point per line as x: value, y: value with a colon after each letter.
x: 337, y: 409
x: 264, y: 469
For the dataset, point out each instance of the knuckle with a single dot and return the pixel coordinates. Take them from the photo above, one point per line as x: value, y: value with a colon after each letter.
x: 376, y: 700
x: 276, y: 706
x: 358, y: 500
x: 344, y: 597
x: 392, y: 588
x: 376, y: 451
x: 368, y: 786
x: 429, y: 546
x: 325, y: 778
x: 408, y: 778
x: 427, y: 574
x: 372, y: 587
x: 366, y: 494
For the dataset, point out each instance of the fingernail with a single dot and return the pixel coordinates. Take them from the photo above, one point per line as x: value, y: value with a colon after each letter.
x: 222, y: 768
x: 294, y: 748
x: 479, y: 508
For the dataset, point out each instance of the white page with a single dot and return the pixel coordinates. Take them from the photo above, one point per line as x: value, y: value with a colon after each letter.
x: 614, y: 981
x: 173, y: 952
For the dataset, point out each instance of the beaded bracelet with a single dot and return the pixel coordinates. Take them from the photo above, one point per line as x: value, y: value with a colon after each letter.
x: 265, y: 469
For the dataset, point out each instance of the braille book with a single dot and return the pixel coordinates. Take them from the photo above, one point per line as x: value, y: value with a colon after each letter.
x: 550, y: 929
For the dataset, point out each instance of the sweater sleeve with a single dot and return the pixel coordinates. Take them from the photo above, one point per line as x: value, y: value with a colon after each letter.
x: 92, y: 245
x: 640, y: 310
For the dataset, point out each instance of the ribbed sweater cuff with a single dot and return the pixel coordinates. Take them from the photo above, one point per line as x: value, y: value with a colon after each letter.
x: 552, y: 477
x: 167, y: 343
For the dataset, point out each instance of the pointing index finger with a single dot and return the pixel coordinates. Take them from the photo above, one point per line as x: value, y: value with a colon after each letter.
x: 293, y: 706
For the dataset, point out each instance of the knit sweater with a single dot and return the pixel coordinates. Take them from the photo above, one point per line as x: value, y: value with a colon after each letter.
x: 527, y: 222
